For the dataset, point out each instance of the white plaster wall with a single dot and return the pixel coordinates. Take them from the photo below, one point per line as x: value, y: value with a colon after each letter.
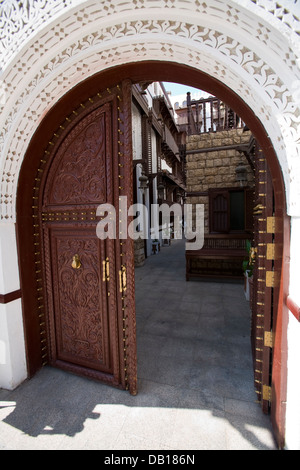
x: 13, y: 370
x: 12, y: 348
x: 9, y: 269
x: 293, y: 380
x: 293, y: 401
x: 136, y: 133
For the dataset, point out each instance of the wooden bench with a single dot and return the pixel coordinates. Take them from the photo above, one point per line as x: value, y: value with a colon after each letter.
x: 221, y: 257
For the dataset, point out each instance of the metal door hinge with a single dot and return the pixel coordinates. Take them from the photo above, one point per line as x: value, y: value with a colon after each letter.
x: 123, y: 279
x: 270, y: 251
x: 271, y: 224
x: 272, y: 279
x: 268, y: 341
x: 267, y: 393
x: 105, y: 265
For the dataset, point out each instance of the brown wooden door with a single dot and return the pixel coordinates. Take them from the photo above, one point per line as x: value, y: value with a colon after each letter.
x: 89, y: 329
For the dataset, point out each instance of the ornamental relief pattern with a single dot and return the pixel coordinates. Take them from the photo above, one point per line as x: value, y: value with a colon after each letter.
x: 19, y: 20
x: 209, y: 50
x: 79, y: 176
x: 79, y: 300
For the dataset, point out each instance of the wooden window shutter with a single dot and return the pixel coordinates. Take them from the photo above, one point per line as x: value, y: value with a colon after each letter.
x: 147, y: 144
x: 249, y: 196
x: 219, y: 210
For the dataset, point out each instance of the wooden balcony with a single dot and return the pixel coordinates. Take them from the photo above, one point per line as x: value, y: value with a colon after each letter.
x: 207, y: 115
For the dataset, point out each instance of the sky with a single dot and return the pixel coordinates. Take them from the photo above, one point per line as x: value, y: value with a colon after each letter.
x: 178, y: 89
x: 179, y: 92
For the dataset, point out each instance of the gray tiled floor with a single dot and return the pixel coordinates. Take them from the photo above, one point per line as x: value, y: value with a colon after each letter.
x: 195, y: 378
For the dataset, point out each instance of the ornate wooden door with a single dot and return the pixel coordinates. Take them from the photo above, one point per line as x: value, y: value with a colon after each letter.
x: 90, y: 317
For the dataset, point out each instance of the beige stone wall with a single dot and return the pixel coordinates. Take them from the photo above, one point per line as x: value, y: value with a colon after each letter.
x: 214, y: 169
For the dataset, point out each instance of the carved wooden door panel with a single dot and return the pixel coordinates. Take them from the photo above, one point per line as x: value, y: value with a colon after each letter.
x: 80, y: 311
x: 89, y: 330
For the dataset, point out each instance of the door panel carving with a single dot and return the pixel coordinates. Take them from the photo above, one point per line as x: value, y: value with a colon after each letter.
x: 80, y: 302
x: 78, y: 175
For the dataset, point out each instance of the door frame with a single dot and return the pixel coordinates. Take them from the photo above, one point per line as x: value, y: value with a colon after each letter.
x: 145, y: 71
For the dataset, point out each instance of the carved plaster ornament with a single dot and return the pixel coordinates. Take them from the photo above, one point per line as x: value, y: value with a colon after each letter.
x: 49, y: 46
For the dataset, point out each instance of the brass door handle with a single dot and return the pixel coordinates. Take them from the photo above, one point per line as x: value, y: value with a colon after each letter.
x: 123, y: 279
x: 105, y: 264
x: 257, y: 210
x: 76, y: 263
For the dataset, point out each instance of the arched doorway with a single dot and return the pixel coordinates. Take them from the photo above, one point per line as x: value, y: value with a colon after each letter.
x: 58, y: 117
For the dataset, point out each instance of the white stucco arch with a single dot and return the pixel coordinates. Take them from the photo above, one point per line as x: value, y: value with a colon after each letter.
x: 250, y: 45
x: 49, y: 46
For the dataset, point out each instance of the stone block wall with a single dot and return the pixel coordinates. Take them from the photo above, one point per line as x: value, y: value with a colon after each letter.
x: 214, y: 168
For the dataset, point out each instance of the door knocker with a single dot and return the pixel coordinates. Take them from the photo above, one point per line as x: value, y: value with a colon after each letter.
x: 76, y: 263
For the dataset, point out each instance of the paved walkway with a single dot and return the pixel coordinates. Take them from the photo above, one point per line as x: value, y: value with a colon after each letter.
x: 195, y: 378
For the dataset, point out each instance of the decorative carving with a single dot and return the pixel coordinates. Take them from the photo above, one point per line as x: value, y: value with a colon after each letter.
x: 79, y: 177
x: 79, y: 308
x: 18, y: 20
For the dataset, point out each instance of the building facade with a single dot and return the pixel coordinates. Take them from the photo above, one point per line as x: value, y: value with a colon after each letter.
x: 55, y: 55
x: 158, y: 165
